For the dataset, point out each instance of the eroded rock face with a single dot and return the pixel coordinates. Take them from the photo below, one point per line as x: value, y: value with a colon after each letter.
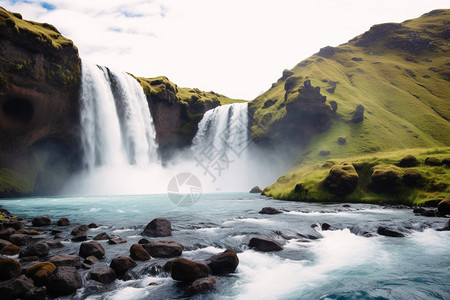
x: 39, y: 81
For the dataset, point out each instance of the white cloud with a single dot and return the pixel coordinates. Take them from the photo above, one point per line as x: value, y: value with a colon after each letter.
x: 237, y: 48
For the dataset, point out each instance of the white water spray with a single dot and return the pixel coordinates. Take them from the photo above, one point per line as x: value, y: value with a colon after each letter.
x: 117, y: 127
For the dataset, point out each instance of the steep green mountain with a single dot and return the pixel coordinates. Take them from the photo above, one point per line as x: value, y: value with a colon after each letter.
x: 388, y: 90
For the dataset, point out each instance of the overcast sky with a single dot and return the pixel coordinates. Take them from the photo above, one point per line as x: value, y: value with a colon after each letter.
x: 234, y: 47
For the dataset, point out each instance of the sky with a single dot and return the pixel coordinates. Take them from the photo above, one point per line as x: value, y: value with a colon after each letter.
x: 234, y: 47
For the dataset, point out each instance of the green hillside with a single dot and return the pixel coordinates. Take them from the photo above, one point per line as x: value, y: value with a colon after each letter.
x: 399, y: 73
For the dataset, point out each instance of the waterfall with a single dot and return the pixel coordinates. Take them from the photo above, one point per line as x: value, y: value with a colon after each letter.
x: 116, y: 124
x: 223, y: 129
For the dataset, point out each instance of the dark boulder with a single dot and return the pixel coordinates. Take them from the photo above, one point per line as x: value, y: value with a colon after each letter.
x: 41, y: 221
x: 187, y: 270
x: 138, y: 252
x: 63, y: 222
x: 66, y: 260
x: 428, y: 213
x: 10, y: 250
x: 16, y: 288
x: 56, y: 231
x: 55, y: 244
x: 444, y: 206
x: 64, y: 281
x: 433, y: 161
x: 388, y: 232
x: 445, y: 228
x: 20, y: 239
x: 159, y: 227
x: 143, y: 241
x: 102, y: 236
x: 6, y: 233
x: 13, y: 224
x: 324, y: 152
x: 122, y: 264
x: 358, y: 114
x: 327, y: 51
x: 91, y: 248
x: 80, y: 230
x: 269, y: 211
x: 224, y: 263
x: 116, y: 240
x: 264, y: 244
x: 385, y: 178
x: 93, y: 225
x: 342, y: 140
x: 79, y: 238
x: 256, y: 190
x: 4, y: 243
x: 342, y: 179
x: 104, y: 276
x: 202, y: 285
x: 408, y: 161
x: 9, y: 268
x: 40, y: 272
x: 325, y: 226
x: 38, y: 249
x: 91, y: 260
x: 163, y: 249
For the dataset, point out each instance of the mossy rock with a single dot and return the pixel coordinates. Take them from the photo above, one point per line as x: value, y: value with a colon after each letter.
x: 256, y: 190
x: 40, y: 272
x: 341, y: 180
x: 385, y: 178
x: 9, y: 268
x: 433, y: 161
x: 413, y: 178
x: 408, y: 161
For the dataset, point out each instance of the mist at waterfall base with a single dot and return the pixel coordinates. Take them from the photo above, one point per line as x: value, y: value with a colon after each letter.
x: 121, y: 153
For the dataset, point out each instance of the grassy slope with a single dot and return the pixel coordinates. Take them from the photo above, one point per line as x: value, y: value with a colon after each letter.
x: 406, y: 102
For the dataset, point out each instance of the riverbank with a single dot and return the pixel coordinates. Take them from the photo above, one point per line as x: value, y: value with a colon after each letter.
x: 408, y: 177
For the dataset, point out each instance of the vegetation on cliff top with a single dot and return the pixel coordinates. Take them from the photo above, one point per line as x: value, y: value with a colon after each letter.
x: 398, y: 73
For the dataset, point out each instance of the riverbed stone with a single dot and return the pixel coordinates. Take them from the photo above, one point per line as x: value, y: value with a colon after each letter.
x: 40, y: 272
x: 389, y: 232
x: 116, y: 240
x: 122, y: 264
x: 202, y: 285
x: 186, y: 270
x: 138, y: 252
x: 16, y: 288
x: 269, y: 211
x: 91, y: 248
x: 9, y: 268
x: 64, y: 281
x: 20, y: 239
x: 91, y: 260
x: 105, y: 276
x: 4, y: 243
x: 224, y: 263
x: 163, y: 249
x: 264, y: 244
x: 66, y: 260
x: 6, y: 233
x: 102, y: 236
x: 37, y: 249
x: 63, y: 222
x: 159, y: 227
x: 80, y: 230
x: 55, y: 244
x: 41, y: 221
x: 10, y: 249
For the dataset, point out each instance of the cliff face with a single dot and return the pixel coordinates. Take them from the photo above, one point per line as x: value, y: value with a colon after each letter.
x: 177, y: 111
x: 39, y: 82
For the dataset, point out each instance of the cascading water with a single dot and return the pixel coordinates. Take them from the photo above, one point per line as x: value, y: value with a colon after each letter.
x: 225, y: 128
x: 117, y: 127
